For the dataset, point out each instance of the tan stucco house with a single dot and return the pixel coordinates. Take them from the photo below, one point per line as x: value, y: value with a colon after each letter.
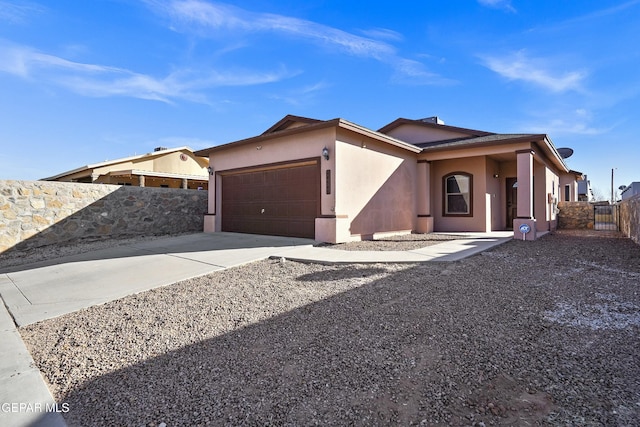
x: 164, y: 167
x: 336, y: 181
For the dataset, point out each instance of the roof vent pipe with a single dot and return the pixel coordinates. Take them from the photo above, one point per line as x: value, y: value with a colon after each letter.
x: 434, y: 119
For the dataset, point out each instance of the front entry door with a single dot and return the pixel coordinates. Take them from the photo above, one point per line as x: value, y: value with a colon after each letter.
x: 512, y: 201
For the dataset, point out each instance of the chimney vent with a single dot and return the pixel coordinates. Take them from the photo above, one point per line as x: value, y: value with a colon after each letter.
x: 434, y: 119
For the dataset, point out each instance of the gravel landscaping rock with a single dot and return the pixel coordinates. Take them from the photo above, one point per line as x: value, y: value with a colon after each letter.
x: 529, y: 333
x: 402, y: 242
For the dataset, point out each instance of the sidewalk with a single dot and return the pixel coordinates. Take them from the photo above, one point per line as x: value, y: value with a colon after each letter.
x: 49, y: 289
x: 453, y: 250
x: 25, y: 400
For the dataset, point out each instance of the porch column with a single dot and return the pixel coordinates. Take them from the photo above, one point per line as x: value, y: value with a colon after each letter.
x: 210, y: 215
x: 185, y: 183
x: 423, y: 188
x: 525, y: 184
x: 141, y: 180
x: 525, y: 217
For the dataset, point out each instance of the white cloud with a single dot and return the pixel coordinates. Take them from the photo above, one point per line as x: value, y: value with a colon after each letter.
x: 414, y: 72
x: 578, y: 121
x: 498, y: 4
x: 301, y: 96
x: 383, y: 33
x: 18, y: 13
x: 519, y: 66
x: 103, y: 81
x: 214, y: 19
x: 563, y: 126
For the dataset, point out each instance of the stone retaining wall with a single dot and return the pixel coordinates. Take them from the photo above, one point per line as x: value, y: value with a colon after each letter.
x: 39, y: 213
x: 630, y: 218
x: 575, y: 215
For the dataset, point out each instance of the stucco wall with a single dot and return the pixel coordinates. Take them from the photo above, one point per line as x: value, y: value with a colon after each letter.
x: 476, y: 166
x: 39, y: 213
x: 495, y: 212
x: 570, y: 180
x: 575, y: 215
x: 630, y: 218
x: 545, y: 183
x: 375, y: 186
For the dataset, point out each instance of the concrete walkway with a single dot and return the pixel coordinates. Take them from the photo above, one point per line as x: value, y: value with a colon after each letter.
x: 452, y: 250
x: 40, y: 291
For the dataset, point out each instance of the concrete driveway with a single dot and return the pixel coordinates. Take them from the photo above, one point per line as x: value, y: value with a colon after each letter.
x: 48, y: 289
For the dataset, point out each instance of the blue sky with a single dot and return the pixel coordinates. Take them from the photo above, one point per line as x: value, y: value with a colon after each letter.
x: 86, y: 81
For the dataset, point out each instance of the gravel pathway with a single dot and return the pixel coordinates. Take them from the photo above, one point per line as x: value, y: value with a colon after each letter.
x: 529, y: 333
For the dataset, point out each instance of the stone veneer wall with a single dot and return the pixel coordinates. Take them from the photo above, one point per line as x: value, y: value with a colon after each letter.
x: 630, y: 218
x: 39, y: 213
x: 575, y: 215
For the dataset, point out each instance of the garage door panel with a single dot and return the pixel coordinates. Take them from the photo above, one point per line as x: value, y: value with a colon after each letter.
x: 301, y: 228
x: 283, y: 201
x: 302, y: 209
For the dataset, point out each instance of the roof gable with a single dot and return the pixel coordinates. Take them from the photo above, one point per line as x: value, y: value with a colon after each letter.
x: 427, y: 130
x: 313, y: 125
x: 290, y: 121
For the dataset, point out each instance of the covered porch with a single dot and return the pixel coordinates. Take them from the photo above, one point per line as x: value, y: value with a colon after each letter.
x: 514, y: 184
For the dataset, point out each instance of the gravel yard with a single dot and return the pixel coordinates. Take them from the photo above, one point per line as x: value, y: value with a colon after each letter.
x: 529, y: 333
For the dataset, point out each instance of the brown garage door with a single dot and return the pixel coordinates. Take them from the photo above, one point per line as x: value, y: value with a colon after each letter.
x: 279, y: 202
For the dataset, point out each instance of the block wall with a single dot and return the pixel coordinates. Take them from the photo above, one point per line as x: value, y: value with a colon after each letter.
x: 40, y: 213
x: 630, y: 218
x: 575, y: 215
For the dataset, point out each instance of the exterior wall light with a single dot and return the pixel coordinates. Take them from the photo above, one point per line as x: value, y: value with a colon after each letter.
x: 325, y: 153
x: 210, y: 169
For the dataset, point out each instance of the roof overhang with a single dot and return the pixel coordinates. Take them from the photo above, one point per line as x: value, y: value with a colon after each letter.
x: 152, y: 174
x: 89, y: 168
x: 334, y: 123
x: 540, y: 142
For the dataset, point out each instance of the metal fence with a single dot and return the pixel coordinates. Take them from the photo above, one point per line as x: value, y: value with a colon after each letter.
x: 606, y: 217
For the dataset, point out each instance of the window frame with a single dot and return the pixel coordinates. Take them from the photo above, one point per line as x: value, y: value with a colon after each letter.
x: 445, y: 195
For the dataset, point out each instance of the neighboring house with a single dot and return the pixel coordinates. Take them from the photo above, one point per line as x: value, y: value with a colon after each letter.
x: 573, y: 187
x: 584, y: 190
x: 171, y: 168
x: 336, y: 181
x: 631, y: 190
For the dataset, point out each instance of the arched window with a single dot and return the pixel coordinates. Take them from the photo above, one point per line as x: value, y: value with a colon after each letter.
x: 458, y: 194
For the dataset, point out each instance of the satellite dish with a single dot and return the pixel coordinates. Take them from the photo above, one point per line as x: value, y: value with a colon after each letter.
x: 565, y: 153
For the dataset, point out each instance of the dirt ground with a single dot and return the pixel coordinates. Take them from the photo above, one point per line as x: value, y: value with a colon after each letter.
x: 529, y: 333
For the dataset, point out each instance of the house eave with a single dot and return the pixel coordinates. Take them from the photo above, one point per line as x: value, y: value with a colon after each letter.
x: 401, y: 121
x: 153, y: 174
x: 337, y: 123
x: 535, y: 139
x: 115, y: 161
